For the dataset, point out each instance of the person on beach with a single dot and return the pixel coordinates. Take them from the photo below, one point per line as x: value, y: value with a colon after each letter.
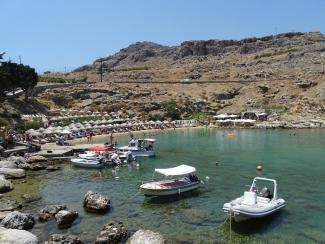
x: 88, y: 136
x: 111, y: 138
x: 91, y: 134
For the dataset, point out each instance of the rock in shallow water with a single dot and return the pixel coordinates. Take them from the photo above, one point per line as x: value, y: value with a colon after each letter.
x: 146, y: 237
x: 13, y: 173
x: 112, y: 232
x: 63, y: 239
x: 65, y: 218
x: 5, y: 185
x: 9, y: 205
x: 18, y: 220
x: 14, y: 236
x: 28, y: 198
x: 94, y: 202
x: 36, y: 159
x: 49, y: 212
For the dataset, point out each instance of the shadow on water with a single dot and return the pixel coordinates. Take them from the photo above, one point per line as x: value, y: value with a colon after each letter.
x: 169, y: 199
x: 262, y: 225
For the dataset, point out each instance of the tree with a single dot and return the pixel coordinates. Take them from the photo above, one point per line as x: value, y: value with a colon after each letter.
x: 27, y: 79
x: 13, y: 76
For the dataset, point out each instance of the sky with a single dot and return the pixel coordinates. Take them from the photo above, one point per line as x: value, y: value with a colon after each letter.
x: 59, y: 35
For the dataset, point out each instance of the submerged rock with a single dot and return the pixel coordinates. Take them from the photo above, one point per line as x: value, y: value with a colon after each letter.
x: 52, y: 168
x: 94, y: 202
x: 63, y: 239
x: 49, y: 212
x: 5, y: 185
x: 13, y: 173
x: 146, y: 237
x: 14, y: 236
x: 112, y: 232
x: 65, y: 218
x: 18, y: 220
x: 31, y: 198
x: 9, y: 205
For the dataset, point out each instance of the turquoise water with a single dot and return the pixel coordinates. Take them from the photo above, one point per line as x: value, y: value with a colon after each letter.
x: 296, y: 158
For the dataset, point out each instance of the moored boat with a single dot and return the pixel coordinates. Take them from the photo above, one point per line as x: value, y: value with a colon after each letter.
x: 87, y: 163
x: 139, y: 147
x: 255, y: 203
x: 185, y: 181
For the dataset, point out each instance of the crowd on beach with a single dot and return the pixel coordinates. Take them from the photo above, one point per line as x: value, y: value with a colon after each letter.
x: 88, y: 129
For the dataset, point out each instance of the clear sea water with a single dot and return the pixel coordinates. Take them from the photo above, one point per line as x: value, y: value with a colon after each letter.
x: 296, y: 158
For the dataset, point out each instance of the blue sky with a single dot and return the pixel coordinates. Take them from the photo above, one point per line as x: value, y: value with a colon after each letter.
x: 54, y: 34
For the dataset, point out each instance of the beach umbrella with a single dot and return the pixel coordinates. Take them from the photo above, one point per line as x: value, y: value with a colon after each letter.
x: 65, y: 132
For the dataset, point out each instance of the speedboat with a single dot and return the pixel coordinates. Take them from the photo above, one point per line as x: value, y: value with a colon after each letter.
x: 255, y: 203
x: 185, y: 180
x: 87, y: 163
x: 139, y: 147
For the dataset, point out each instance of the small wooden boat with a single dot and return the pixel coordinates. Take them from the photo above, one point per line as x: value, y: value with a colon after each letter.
x: 255, y: 203
x: 87, y: 163
x: 172, y: 186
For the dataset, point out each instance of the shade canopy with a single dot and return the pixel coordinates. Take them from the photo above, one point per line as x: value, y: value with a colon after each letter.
x: 99, y: 148
x: 179, y: 170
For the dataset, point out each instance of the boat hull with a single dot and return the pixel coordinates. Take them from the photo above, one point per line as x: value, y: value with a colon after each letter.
x: 169, y: 192
x: 137, y: 152
x: 92, y: 164
x: 242, y: 213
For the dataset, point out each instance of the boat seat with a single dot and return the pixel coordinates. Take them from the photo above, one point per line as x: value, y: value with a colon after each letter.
x: 249, y: 198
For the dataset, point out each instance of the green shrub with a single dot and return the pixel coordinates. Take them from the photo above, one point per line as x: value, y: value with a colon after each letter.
x: 23, y: 126
x: 3, y: 122
x: 172, y: 110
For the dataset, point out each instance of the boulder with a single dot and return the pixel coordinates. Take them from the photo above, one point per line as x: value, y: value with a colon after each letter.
x: 146, y: 237
x: 112, y: 232
x: 264, y: 88
x: 94, y: 202
x: 13, y: 173
x: 10, y: 236
x: 5, y: 185
x: 28, y: 198
x: 37, y: 166
x: 36, y: 159
x: 63, y: 239
x: 18, y: 220
x: 12, y: 162
x: 305, y: 83
x: 65, y: 218
x: 49, y: 212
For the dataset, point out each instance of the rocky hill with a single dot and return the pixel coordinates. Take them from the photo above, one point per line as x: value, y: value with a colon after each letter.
x: 282, y: 56
x: 283, y: 74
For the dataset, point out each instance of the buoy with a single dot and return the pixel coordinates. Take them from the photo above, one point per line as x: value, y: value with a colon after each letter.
x: 207, y: 178
x: 259, y: 167
x: 230, y: 135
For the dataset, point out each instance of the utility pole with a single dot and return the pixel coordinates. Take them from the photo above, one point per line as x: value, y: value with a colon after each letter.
x: 101, y: 70
x: 19, y: 59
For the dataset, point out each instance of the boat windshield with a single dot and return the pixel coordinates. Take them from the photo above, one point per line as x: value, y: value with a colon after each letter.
x: 263, y: 188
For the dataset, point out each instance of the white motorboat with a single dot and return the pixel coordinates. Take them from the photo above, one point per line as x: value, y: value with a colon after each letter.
x: 87, y: 163
x: 255, y: 203
x: 90, y: 155
x: 172, y: 186
x: 140, y: 147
